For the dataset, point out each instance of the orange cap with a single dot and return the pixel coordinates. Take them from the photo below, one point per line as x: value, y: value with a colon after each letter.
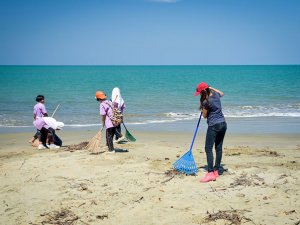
x: 100, y: 95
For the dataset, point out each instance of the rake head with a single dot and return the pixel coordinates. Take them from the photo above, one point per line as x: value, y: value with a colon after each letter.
x: 94, y: 144
x: 129, y: 136
x: 186, y: 164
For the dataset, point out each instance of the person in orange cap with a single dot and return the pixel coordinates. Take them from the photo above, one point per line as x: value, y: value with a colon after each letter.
x: 210, y: 105
x: 106, y: 114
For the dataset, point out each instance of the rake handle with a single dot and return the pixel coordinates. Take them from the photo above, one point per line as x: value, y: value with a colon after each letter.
x: 124, y: 125
x: 55, y: 110
x: 195, y: 132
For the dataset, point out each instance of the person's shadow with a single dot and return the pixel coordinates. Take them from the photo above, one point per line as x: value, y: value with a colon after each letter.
x: 121, y: 150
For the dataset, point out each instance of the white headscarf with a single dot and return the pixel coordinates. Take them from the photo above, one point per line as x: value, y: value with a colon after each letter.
x: 51, y: 122
x: 116, y: 97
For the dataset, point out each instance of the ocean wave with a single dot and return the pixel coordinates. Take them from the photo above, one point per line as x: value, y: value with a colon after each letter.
x: 289, y: 110
x: 82, y: 125
x: 245, y: 115
x: 182, y: 116
x: 245, y: 111
x: 231, y: 113
x: 152, y: 122
x: 249, y: 107
x: 14, y: 126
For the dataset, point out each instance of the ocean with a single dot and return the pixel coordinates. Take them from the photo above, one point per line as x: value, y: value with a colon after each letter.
x: 258, y: 98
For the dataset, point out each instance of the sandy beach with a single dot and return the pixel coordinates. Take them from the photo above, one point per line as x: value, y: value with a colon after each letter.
x: 138, y: 186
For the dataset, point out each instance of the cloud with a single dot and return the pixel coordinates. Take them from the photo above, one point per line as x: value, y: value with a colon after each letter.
x: 165, y: 1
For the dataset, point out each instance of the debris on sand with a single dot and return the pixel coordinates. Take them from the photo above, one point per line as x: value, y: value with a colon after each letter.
x: 171, y: 174
x: 245, y: 180
x: 62, y: 217
x: 102, y: 217
x: 246, y: 150
x: 232, y: 216
x: 80, y: 146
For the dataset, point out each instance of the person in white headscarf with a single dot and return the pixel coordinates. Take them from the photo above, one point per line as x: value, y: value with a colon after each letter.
x: 119, y: 102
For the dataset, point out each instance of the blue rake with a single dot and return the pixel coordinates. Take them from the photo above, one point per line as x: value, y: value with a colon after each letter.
x: 186, y: 164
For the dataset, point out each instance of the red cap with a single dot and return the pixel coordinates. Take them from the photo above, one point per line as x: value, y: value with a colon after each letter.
x: 200, y: 87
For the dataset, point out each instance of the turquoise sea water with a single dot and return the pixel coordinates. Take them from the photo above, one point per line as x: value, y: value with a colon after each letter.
x: 157, y: 97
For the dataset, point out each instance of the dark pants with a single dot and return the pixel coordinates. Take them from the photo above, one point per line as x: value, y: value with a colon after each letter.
x: 52, y: 137
x: 57, y: 140
x: 118, y: 132
x: 215, y: 135
x: 44, y: 135
x: 37, y: 135
x: 110, y: 132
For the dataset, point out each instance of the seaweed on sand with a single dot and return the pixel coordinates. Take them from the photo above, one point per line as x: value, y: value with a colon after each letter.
x: 61, y: 217
x: 80, y: 146
x: 232, y: 216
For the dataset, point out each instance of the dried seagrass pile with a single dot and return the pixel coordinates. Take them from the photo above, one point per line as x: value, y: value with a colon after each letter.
x: 232, y: 216
x: 80, y: 146
x: 61, y: 217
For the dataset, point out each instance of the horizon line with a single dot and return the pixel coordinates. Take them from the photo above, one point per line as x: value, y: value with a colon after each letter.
x: 149, y: 64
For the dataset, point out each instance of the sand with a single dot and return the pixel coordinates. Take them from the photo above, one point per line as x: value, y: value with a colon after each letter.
x: 138, y: 186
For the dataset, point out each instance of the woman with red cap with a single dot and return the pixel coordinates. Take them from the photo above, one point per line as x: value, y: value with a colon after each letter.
x: 210, y: 105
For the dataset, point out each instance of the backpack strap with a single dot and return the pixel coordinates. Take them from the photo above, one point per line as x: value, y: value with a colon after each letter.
x: 109, y: 103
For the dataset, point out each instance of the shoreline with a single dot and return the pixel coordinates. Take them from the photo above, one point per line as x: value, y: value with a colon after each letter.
x: 139, y: 187
x: 69, y: 137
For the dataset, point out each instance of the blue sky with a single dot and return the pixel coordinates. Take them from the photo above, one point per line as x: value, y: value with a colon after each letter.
x: 149, y: 32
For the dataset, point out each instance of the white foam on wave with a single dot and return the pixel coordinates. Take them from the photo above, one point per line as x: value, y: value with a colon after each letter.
x: 240, y: 113
x: 245, y: 115
x: 82, y: 125
x: 246, y: 111
x: 248, y: 107
x: 182, y: 116
x: 14, y: 126
x: 288, y: 110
